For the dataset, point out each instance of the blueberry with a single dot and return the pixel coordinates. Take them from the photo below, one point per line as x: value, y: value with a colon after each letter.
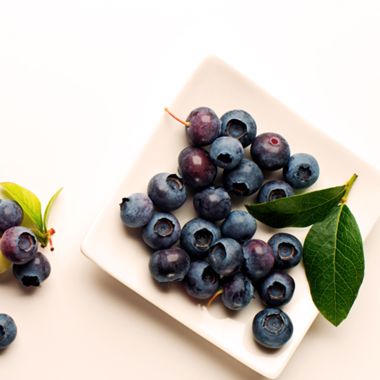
x: 243, y: 180
x: 8, y: 330
x: 226, y: 152
x: 19, y: 244
x: 301, y: 171
x: 204, y: 126
x: 287, y: 250
x: 136, y: 210
x: 196, y: 167
x: 240, y: 125
x: 273, y: 190
x: 225, y: 256
x: 239, y: 225
x: 212, y: 203
x: 258, y: 259
x: 197, y: 236
x: 162, y: 231
x: 270, y: 151
x: 11, y: 214
x: 169, y: 265
x: 33, y: 272
x: 167, y: 191
x: 238, y: 291
x: 276, y: 289
x: 201, y: 281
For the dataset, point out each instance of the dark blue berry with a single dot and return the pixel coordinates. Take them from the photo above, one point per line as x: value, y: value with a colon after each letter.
x: 162, y: 231
x: 240, y: 125
x: 225, y: 256
x: 11, y: 214
x: 239, y: 225
x: 169, y: 265
x: 273, y: 190
x: 212, y: 203
x: 226, y: 152
x: 33, y: 272
x: 301, y: 171
x: 243, y: 180
x: 136, y: 210
x: 287, y: 250
x: 270, y: 151
x: 272, y: 328
x: 8, y: 330
x: 238, y: 291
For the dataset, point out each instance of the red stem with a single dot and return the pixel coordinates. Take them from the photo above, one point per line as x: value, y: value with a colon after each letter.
x: 185, y: 123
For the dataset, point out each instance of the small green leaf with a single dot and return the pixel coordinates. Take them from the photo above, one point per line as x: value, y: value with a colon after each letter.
x: 298, y: 210
x: 48, y: 207
x: 334, y: 263
x: 28, y: 201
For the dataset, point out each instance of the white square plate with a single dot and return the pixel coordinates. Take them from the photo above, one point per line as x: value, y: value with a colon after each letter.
x: 123, y: 255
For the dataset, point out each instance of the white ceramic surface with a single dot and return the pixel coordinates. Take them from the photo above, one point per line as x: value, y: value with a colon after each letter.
x: 123, y: 255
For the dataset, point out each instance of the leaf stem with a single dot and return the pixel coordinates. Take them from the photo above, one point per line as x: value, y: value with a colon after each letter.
x: 214, y: 297
x: 349, y: 185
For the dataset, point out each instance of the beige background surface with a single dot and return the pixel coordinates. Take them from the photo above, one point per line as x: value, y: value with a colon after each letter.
x: 82, y: 85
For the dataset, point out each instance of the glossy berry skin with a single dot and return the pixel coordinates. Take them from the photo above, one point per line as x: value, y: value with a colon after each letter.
x: 243, y: 180
x: 301, y: 171
x: 162, y: 231
x: 238, y: 291
x: 270, y: 151
x: 212, y: 203
x: 204, y: 126
x: 226, y: 152
x: 276, y: 289
x: 272, y: 328
x: 11, y: 214
x: 167, y: 191
x: 258, y: 259
x: 197, y: 236
x: 196, y: 167
x: 240, y: 125
x: 169, y: 265
x: 287, y: 250
x: 19, y: 245
x: 273, y: 190
x: 136, y: 210
x: 201, y: 281
x: 225, y: 256
x: 8, y: 330
x: 239, y: 225
x: 33, y: 272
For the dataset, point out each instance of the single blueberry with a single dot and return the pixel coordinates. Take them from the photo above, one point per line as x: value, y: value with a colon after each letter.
x: 11, y: 214
x: 270, y: 151
x: 301, y: 171
x: 169, y: 265
x: 226, y: 152
x: 197, y: 236
x: 225, y: 256
x: 272, y: 328
x: 212, y: 203
x: 162, y: 231
x: 243, y: 180
x: 287, y: 250
x: 201, y: 281
x: 167, y: 191
x: 276, y: 289
x: 240, y: 125
x: 136, y: 210
x: 238, y: 291
x: 8, y: 330
x: 258, y: 259
x: 33, y: 272
x: 239, y: 225
x: 273, y: 190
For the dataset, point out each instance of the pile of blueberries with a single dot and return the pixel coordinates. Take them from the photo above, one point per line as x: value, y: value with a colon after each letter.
x: 19, y: 249
x: 214, y: 254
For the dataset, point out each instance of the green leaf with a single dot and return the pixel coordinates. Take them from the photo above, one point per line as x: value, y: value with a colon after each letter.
x: 28, y: 201
x: 298, y: 210
x: 48, y: 207
x: 334, y: 263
